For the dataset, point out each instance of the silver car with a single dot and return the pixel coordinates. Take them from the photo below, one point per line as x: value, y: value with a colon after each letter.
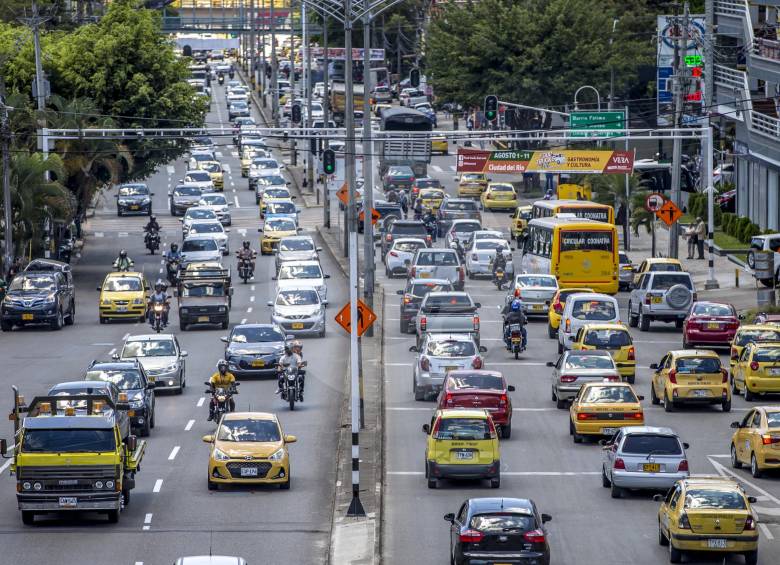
x: 575, y: 368
x: 296, y: 248
x: 212, y: 228
x: 196, y: 214
x: 298, y: 311
x: 535, y: 291
x: 625, y: 271
x: 200, y: 179
x: 664, y: 296
x: 161, y: 357
x: 643, y: 457
x: 183, y: 196
x: 199, y: 248
x: 437, y: 263
x: 401, y: 253
x: 481, y: 253
x: 461, y: 230
x: 219, y: 204
x: 437, y: 355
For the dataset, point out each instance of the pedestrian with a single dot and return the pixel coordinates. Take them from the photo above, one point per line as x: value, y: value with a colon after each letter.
x: 470, y: 123
x: 404, y: 201
x: 690, y: 233
x: 418, y: 208
x: 701, y: 234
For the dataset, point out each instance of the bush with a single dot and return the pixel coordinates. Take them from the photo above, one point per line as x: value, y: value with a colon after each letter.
x: 749, y: 231
x: 717, y: 215
x: 726, y: 219
x: 697, y: 204
x: 741, y: 224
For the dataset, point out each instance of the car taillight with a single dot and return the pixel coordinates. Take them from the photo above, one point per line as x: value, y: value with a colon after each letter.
x: 586, y: 416
x: 725, y: 374
x: 683, y: 523
x: 769, y: 440
x: 568, y: 325
x: 631, y: 354
x: 733, y: 325
x: 647, y: 299
x: 407, y: 298
x: 634, y: 416
x: 691, y: 325
x: 476, y: 363
x: 423, y: 323
x: 425, y: 363
x: 448, y: 399
x: 683, y: 466
x: 558, y: 307
x: 534, y: 536
x: 568, y: 378
x: 471, y: 536
x: 673, y: 376
x: 750, y: 523
x: 518, y: 294
x: 428, y: 238
x: 492, y: 428
x: 476, y: 322
x: 393, y: 254
x: 503, y: 400
x: 619, y: 464
x: 613, y: 379
x: 435, y: 430
x: 754, y: 365
x: 734, y: 354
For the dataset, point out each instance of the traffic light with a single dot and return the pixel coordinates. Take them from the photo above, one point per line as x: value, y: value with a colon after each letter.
x: 414, y: 78
x: 329, y: 162
x: 491, y: 108
x: 296, y: 113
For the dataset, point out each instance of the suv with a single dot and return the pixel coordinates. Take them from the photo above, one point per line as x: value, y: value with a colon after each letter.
x: 129, y: 377
x: 437, y: 264
x: 389, y: 212
x: 456, y: 209
x: 403, y: 228
x: 38, y: 297
x: 660, y: 295
x: 769, y: 242
x: 412, y: 296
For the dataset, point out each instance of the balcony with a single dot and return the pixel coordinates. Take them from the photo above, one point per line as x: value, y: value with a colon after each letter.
x: 764, y: 60
x: 737, y: 102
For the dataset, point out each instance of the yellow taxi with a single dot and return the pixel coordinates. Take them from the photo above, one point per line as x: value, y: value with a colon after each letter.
x: 707, y: 513
x: 471, y: 184
x: 123, y: 296
x: 600, y: 409
x: 274, y: 193
x: 757, y: 370
x: 555, y: 311
x: 614, y: 338
x: 520, y: 218
x: 690, y: 376
x: 756, y: 440
x: 499, y: 196
x: 247, y: 155
x: 214, y: 169
x: 749, y: 334
x: 653, y: 264
x: 249, y: 448
x: 273, y: 230
x: 432, y: 197
x: 462, y: 444
x: 439, y: 144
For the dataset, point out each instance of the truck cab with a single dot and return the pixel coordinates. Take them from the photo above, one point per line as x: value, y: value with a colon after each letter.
x: 203, y: 300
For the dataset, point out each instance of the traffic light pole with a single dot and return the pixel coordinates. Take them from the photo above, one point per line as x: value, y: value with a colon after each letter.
x: 369, y: 264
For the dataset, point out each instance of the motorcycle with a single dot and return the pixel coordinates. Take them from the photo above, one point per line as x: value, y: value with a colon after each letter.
x: 157, y: 316
x: 515, y: 342
x: 221, y: 79
x: 172, y: 268
x: 500, y: 278
x: 431, y: 228
x: 245, y: 271
x: 221, y: 397
x: 291, y: 386
x: 152, y: 241
x: 459, y: 248
x: 231, y: 74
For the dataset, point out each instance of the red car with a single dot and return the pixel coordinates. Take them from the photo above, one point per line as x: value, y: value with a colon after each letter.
x: 469, y: 388
x: 710, y: 323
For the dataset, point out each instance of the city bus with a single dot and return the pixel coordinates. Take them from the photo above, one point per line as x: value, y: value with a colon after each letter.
x: 579, y: 252
x: 580, y: 208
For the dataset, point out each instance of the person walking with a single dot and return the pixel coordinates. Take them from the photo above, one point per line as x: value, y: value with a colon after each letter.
x: 701, y: 234
x: 690, y: 233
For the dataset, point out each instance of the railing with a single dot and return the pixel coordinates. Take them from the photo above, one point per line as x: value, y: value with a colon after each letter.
x: 767, y: 48
x: 766, y: 125
x: 731, y: 78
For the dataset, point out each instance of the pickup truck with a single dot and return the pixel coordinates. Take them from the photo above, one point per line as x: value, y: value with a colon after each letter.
x: 203, y: 300
x: 447, y: 312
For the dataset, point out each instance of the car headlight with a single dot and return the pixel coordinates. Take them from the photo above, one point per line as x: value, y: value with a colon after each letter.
x: 222, y: 309
x: 219, y: 455
x: 105, y: 302
x: 138, y: 301
x: 146, y: 201
x: 51, y: 299
x: 278, y: 455
x: 171, y: 367
x: 184, y: 311
x: 124, y: 202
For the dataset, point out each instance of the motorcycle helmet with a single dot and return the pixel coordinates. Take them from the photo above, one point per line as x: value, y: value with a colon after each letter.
x: 287, y: 350
x: 123, y: 254
x: 158, y: 286
x: 174, y: 247
x: 152, y: 218
x: 245, y: 244
x: 516, y: 305
x: 222, y: 366
x: 297, y: 346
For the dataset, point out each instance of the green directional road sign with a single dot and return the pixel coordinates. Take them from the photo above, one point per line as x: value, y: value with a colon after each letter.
x: 596, y: 121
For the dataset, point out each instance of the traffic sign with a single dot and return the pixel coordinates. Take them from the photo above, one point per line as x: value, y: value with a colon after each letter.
x: 654, y: 201
x: 596, y: 121
x: 374, y: 216
x: 669, y: 213
x: 343, y: 194
x: 365, y: 317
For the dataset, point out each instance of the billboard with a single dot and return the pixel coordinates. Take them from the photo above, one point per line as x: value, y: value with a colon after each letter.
x: 339, y: 53
x: 668, y: 33
x: 559, y: 161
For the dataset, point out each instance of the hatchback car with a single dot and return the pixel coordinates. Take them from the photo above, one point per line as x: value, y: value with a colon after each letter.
x: 123, y: 296
x: 461, y: 230
x: 499, y: 196
x: 655, y: 264
x: 134, y: 198
x: 199, y: 248
x: 296, y: 248
x: 757, y: 333
x: 422, y: 183
x: 254, y: 349
x: 198, y: 214
x: 462, y: 444
x: 302, y: 274
x: 472, y: 184
x: 215, y: 171
x: 690, y: 376
x: 402, y: 228
x: 299, y: 311
x: 161, y: 357
x: 431, y: 198
x: 129, y: 377
x: 249, y: 448
x: 182, y: 197
x: 613, y: 338
x: 643, y: 458
x: 757, y: 370
x: 535, y: 291
x: 601, y: 409
x: 214, y: 230
x: 274, y: 230
x: 401, y: 254
x: 498, y: 530
x: 437, y: 263
x: 479, y: 389
x: 556, y: 308
x: 439, y: 354
x: 412, y: 296
x: 272, y: 187
x: 38, y: 297
x: 219, y: 204
x: 756, y: 440
x: 520, y: 218
x: 710, y: 323
x: 481, y: 253
x: 575, y: 368
x: 582, y: 309
x: 398, y: 177
x: 456, y: 209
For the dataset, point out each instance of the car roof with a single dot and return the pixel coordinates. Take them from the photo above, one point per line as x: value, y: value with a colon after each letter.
x: 116, y: 365
x: 302, y: 263
x: 590, y: 296
x: 124, y: 274
x: 251, y: 416
x: 465, y: 221
x: 80, y: 385
x: 429, y: 281
x: 301, y: 237
x: 51, y: 264
x: 758, y: 327
x: 678, y: 273
x: 434, y: 336
x: 606, y: 326
x: 594, y: 352
x: 694, y: 353
x: 767, y: 344
x: 463, y: 413
x: 407, y: 239
x: 520, y: 505
x: 715, y: 302
x: 242, y: 326
x: 649, y: 430
x: 608, y: 383
x: 408, y: 223
x: 656, y: 260
x: 714, y: 481
x: 148, y: 337
x: 210, y: 560
x: 484, y: 372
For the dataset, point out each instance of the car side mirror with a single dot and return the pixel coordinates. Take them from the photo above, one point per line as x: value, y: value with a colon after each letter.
x: 752, y: 499
x: 510, y: 388
x: 546, y: 518
x: 426, y: 428
x: 482, y: 349
x: 477, y: 305
x: 325, y: 276
x: 686, y: 445
x: 550, y: 364
x: 741, y: 317
x: 270, y: 303
x: 400, y: 292
x: 413, y: 349
x: 324, y: 302
x: 640, y: 397
x: 183, y: 354
x: 115, y: 356
x: 224, y: 339
x: 449, y: 517
x: 97, y: 288
x: 290, y: 439
x: 208, y: 438
x: 735, y: 425
x: 654, y: 366
x: 658, y: 497
x: 132, y: 443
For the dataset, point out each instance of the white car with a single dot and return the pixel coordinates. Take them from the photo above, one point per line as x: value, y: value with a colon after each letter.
x: 302, y: 274
x: 200, y: 156
x: 161, y: 357
x: 217, y: 202
x: 299, y: 310
x: 480, y: 255
x: 265, y: 166
x: 461, y: 230
x: 536, y: 292
x: 211, y: 228
x: 268, y: 188
x: 199, y: 248
x: 197, y: 214
x: 296, y: 248
x: 581, y: 309
x: 400, y: 253
x: 236, y: 97
x: 199, y: 178
x: 319, y: 90
x: 317, y: 112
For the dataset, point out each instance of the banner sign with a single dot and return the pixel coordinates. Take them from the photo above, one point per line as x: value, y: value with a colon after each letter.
x: 339, y: 53
x: 562, y: 161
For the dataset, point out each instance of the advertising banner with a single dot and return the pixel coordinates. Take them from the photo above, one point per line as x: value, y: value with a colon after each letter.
x: 561, y: 161
x: 339, y: 53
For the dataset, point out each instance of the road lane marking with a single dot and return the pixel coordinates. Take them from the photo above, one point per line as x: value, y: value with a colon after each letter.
x: 721, y: 469
x: 766, y: 531
x: 147, y: 522
x: 110, y: 353
x: 437, y: 168
x: 157, y: 485
x: 7, y: 463
x: 251, y: 287
x: 161, y: 269
x: 124, y: 338
x: 249, y: 310
x: 201, y: 400
x: 189, y: 425
x: 251, y: 299
x: 101, y: 344
x: 170, y: 169
x: 98, y: 234
x: 243, y: 321
x: 235, y: 199
x: 516, y: 473
x: 174, y: 451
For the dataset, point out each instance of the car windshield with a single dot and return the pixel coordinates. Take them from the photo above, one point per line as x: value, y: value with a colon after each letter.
x: 249, y: 430
x: 263, y: 334
x: 125, y: 284
x: 594, y: 310
x: 197, y: 176
x: 673, y: 267
x: 475, y: 382
x: 207, y: 227
x: 69, y: 440
x: 747, y: 336
x: 450, y: 348
x: 203, y: 156
x: 488, y: 245
x: 133, y: 190
x: 297, y: 298
x: 149, y: 348
x: 609, y: 395
x: 607, y: 339
x: 665, y: 282
x: 194, y: 290
x: 694, y: 365
x: 419, y: 290
x: 200, y: 214
x: 708, y: 309
x: 214, y: 200
x: 408, y: 246
x: 300, y: 272
x: 280, y: 208
x: 575, y: 361
x: 503, y: 523
x: 460, y: 206
x: 646, y: 444
x: 767, y: 354
x: 466, y: 227
x: 721, y: 499
x: 274, y: 180
x: 186, y: 191
x: 400, y: 171
x: 463, y: 429
x: 199, y: 245
x: 773, y: 419
x: 502, y: 188
x: 436, y: 259
x: 428, y: 194
x: 124, y: 379
x: 427, y: 183
x: 448, y: 302
x: 472, y: 177
x: 403, y: 229
x: 296, y: 245
x: 212, y: 167
x: 532, y: 280
x: 265, y: 164
x: 33, y: 283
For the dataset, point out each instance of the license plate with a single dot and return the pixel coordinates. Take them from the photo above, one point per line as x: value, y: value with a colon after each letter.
x: 537, y: 306
x: 651, y: 467
x: 121, y: 308
x: 713, y: 326
x: 248, y: 471
x: 657, y: 299
x: 516, y: 340
x: 609, y: 431
x: 27, y: 316
x: 701, y: 393
x: 134, y: 207
x: 448, y: 369
x: 774, y: 371
x: 716, y: 543
x: 258, y: 363
x: 464, y: 455
x: 297, y: 325
x: 203, y: 318
x: 68, y: 502
x: 425, y: 275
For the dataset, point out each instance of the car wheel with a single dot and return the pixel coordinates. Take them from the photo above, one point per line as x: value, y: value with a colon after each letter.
x: 754, y: 470
x: 678, y: 324
x: 616, y: 491
x: 726, y: 405
x: 734, y: 389
x: 751, y: 259
x: 145, y: 429
x: 506, y: 431
x: 71, y: 318
x: 560, y: 403
x: 287, y: 484
x: 751, y: 557
x: 151, y: 420
x: 125, y: 497
x: 495, y: 483
x: 225, y: 324
x: 662, y: 541
x: 552, y: 333
x: 8, y: 326
x: 419, y: 394
x: 644, y: 321
x: 605, y: 482
x: 631, y: 379
x: 675, y: 555
x: 403, y: 327
x: 653, y: 396
x: 553, y: 396
x: 58, y: 321
x: 668, y: 404
x: 685, y: 344
x: 632, y: 320
x: 749, y: 396
x: 735, y: 462
x: 571, y: 428
x: 432, y: 483
x: 28, y: 517
x: 560, y: 348
x: 113, y: 516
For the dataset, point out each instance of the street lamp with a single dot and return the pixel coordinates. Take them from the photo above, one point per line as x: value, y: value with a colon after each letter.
x: 593, y: 88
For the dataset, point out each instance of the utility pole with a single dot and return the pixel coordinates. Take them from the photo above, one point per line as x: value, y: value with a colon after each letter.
x: 325, y: 118
x: 264, y: 62
x: 5, y: 148
x: 34, y: 22
x: 309, y: 180
x: 293, y: 152
x: 681, y: 84
x: 274, y: 68
x: 369, y: 265
x: 398, y: 51
x: 252, y: 44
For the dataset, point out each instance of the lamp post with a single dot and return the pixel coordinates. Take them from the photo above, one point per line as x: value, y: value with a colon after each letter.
x: 589, y: 87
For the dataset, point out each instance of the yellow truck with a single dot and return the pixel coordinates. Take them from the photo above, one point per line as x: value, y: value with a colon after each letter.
x: 338, y: 100
x: 69, y: 455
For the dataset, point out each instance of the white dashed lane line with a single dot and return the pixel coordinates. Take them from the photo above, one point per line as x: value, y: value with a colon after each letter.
x: 235, y: 199
x: 249, y: 310
x: 201, y: 400
x: 173, y: 454
x: 243, y: 321
x: 157, y: 485
x: 147, y: 522
x: 251, y: 299
x: 189, y: 425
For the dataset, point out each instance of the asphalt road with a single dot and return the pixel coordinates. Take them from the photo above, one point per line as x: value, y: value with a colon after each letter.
x: 541, y: 461
x: 171, y: 512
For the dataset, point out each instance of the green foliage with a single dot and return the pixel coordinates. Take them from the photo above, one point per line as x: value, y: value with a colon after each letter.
x: 726, y: 221
x: 749, y: 231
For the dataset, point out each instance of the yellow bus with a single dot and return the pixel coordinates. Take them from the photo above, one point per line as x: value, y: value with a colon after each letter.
x: 580, y: 253
x: 580, y: 208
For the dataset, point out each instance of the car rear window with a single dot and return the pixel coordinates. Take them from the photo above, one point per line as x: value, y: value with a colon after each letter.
x: 466, y: 227
x: 503, y: 523
x: 773, y: 419
x: 463, y: 429
x: 399, y: 228
x: 408, y: 246
x: 609, y: 394
x: 646, y: 444
x: 713, y: 310
x: 448, y: 301
x: 491, y: 245
x: 475, y: 382
x: 460, y: 206
x: 665, y: 282
x: 674, y: 267
x: 437, y: 259
x: 607, y: 338
x: 575, y: 361
x: 748, y: 336
x: 767, y: 355
x: 530, y: 280
x: 697, y: 365
x: 450, y: 348
x: 593, y: 310
x: 724, y: 499
x: 419, y: 290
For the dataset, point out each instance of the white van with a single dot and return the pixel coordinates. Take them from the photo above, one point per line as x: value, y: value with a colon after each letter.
x: 582, y: 309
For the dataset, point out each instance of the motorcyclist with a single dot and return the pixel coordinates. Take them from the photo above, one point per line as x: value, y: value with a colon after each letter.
x: 513, y: 314
x: 297, y: 348
x: 418, y: 208
x: 430, y: 223
x: 289, y: 359
x: 499, y: 263
x: 246, y: 252
x: 123, y: 262
x: 457, y: 246
x: 221, y: 379
x: 159, y: 296
x: 150, y: 228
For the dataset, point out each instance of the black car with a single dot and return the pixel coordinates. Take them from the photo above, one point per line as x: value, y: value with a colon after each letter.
x: 398, y: 177
x: 38, y: 297
x: 134, y: 198
x: 412, y: 296
x: 254, y: 349
x: 129, y: 377
x: 498, y: 530
x: 456, y: 209
x: 386, y: 210
x: 87, y: 388
x: 403, y: 228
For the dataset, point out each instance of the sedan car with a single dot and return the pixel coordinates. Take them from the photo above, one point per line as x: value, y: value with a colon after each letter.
x: 214, y: 230
x: 757, y: 370
x: 401, y: 253
x: 35, y: 297
x: 183, y: 197
x: 299, y: 274
x: 756, y: 440
x: 129, y: 377
x: 601, y: 409
x: 613, y: 338
x: 197, y: 214
x: 690, y: 376
x: 479, y: 389
x: 643, y: 457
x: 249, y: 448
x: 161, y: 357
x: 198, y: 248
x: 712, y: 324
x: 238, y: 109
x: 575, y: 368
x: 274, y: 230
x: 268, y: 188
x: 398, y: 177
x: 432, y: 198
x: 472, y: 185
x: 481, y: 253
x: 254, y: 349
x: 280, y: 209
x: 299, y: 311
x: 461, y: 230
x: 536, y: 292
x: 456, y: 209
x: 134, y: 198
x: 437, y: 355
x: 498, y: 530
x: 200, y: 179
x: 296, y: 248
x: 421, y: 183
x: 220, y: 206
x: 499, y: 196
